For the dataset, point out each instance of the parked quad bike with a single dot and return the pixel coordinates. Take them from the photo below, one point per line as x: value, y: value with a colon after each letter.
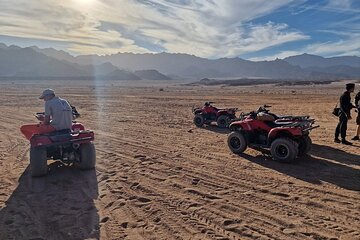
x: 287, y: 137
x: 209, y: 114
x: 71, y: 147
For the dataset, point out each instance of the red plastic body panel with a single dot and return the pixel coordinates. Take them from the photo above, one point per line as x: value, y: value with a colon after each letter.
x: 223, y: 112
x: 214, y: 110
x: 249, y: 124
x: 293, y: 131
x: 209, y: 109
x: 37, y: 141
x: 76, y: 127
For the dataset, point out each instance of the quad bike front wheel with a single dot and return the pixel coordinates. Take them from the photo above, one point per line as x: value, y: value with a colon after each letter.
x: 87, y: 156
x: 304, y: 145
x: 223, y: 121
x: 284, y: 150
x: 38, y: 161
x: 199, y: 120
x: 237, y: 142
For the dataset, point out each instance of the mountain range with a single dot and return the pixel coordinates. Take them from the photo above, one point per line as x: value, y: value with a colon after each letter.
x: 34, y: 62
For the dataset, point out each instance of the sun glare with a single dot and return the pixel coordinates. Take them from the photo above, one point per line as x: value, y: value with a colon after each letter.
x: 85, y: 2
x: 84, y: 5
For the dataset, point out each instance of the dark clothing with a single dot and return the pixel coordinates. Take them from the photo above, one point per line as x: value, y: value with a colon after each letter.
x: 342, y: 126
x: 345, y: 103
x: 357, y: 104
x: 345, y: 108
x: 357, y: 100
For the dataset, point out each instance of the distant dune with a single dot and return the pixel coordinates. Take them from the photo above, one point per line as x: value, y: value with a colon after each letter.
x: 257, y: 81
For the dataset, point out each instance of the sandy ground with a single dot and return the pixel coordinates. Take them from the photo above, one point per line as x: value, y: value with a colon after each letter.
x: 159, y: 177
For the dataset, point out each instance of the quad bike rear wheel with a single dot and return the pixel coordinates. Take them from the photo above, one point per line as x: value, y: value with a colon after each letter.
x: 199, y: 120
x: 237, y: 142
x: 284, y: 150
x: 304, y: 145
x: 38, y: 161
x: 87, y: 156
x: 223, y: 121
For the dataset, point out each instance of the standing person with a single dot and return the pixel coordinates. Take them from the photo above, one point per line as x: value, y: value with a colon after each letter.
x: 357, y: 105
x: 58, y: 116
x: 345, y: 109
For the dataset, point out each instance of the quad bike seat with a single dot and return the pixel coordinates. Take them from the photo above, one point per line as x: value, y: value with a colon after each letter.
x: 262, y: 116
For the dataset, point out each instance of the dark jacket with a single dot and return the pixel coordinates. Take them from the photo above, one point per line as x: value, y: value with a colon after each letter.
x: 345, y: 103
x: 357, y: 100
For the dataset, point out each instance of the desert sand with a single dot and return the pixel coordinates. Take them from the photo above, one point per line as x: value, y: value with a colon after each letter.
x: 160, y: 177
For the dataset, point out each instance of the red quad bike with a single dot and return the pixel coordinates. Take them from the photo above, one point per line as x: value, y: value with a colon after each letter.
x: 287, y: 137
x: 71, y: 147
x: 208, y: 114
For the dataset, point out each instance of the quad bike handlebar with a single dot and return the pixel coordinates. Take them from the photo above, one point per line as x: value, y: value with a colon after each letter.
x: 243, y: 115
x: 253, y: 114
x: 264, y: 108
x: 41, y: 115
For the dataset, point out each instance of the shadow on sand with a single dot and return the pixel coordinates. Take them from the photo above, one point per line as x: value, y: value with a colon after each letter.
x: 334, y: 154
x: 314, y: 169
x: 216, y: 129
x: 57, y: 206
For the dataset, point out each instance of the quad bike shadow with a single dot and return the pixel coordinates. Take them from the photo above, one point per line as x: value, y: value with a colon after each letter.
x: 216, y: 129
x: 313, y: 169
x: 57, y: 206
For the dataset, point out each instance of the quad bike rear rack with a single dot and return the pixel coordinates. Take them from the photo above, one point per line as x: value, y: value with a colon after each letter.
x: 310, y: 128
x: 69, y: 141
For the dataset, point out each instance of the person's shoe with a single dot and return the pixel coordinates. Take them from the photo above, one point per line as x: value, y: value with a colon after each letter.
x: 355, y: 138
x: 346, y: 142
x: 337, y: 140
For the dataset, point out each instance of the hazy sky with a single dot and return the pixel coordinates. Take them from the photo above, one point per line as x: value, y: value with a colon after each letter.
x: 250, y: 29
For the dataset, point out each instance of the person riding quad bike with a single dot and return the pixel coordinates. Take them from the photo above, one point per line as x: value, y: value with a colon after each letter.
x: 208, y: 114
x: 58, y: 137
x: 58, y: 116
